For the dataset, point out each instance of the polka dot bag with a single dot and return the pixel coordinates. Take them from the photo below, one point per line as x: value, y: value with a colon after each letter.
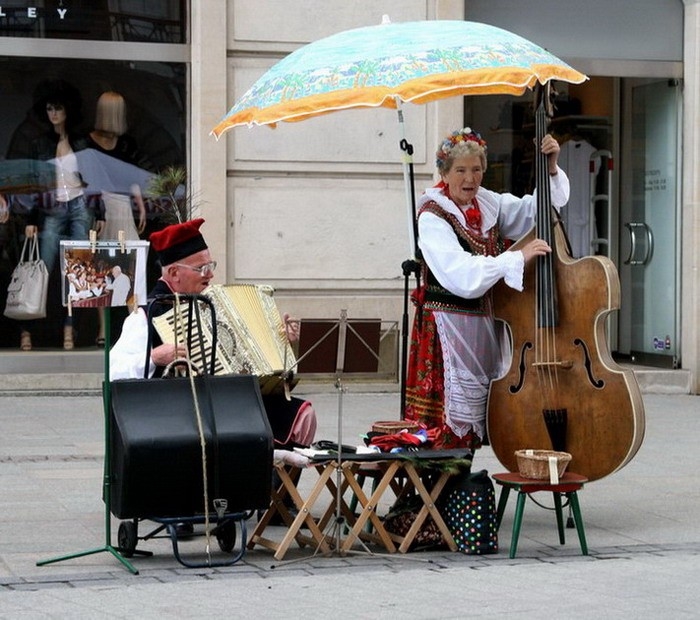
x: 469, y: 512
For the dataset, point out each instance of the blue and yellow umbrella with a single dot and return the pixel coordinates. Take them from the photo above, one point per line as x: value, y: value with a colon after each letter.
x: 384, y: 65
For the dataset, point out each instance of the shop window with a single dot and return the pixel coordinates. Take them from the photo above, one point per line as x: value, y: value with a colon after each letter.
x: 153, y: 143
x: 149, y: 21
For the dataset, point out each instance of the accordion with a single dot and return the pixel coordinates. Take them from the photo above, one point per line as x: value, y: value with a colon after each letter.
x: 251, y: 338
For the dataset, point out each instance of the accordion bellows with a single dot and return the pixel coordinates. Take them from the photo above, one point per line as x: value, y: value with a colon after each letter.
x: 251, y: 336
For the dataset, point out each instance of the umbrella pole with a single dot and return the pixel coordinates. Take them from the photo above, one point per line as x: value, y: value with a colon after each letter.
x: 412, y: 265
x: 407, y: 149
x: 409, y: 267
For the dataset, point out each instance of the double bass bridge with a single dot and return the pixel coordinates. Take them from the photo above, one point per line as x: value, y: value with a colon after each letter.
x: 563, y: 364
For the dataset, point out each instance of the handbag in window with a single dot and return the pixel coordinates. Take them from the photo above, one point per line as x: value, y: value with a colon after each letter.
x: 29, y: 285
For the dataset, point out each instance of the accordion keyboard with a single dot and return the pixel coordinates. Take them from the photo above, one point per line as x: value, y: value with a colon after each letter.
x: 250, y: 333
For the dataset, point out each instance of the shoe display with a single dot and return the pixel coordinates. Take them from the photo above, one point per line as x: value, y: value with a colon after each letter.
x: 25, y: 341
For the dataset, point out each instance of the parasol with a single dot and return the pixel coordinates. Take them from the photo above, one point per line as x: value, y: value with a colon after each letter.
x: 396, y: 62
x: 103, y: 173
x: 26, y: 176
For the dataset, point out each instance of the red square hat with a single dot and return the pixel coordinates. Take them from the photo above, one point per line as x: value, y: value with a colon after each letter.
x: 178, y: 241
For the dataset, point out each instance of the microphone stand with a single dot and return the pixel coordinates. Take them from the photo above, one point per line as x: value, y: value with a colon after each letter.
x: 411, y: 266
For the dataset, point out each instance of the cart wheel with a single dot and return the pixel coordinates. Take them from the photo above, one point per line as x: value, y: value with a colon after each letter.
x: 226, y: 536
x: 127, y: 538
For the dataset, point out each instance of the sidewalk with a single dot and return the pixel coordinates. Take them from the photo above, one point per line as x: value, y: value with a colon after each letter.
x: 640, y: 525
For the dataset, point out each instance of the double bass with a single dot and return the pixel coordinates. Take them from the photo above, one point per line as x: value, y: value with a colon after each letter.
x: 563, y: 390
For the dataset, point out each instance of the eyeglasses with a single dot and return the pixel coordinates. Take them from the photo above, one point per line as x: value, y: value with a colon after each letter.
x: 203, y: 270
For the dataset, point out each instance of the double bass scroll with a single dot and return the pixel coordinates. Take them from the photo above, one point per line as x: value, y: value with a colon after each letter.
x: 563, y: 390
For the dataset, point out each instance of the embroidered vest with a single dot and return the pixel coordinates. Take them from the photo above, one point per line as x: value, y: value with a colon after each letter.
x: 436, y: 296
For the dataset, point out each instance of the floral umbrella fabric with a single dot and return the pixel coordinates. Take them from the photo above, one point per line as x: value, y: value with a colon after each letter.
x: 395, y: 62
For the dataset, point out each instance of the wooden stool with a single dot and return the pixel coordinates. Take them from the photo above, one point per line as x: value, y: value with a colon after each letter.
x: 375, y: 472
x: 288, y: 488
x: 569, y: 484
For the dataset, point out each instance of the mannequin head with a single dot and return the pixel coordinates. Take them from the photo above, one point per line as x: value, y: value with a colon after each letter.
x: 110, y: 115
x: 58, y: 94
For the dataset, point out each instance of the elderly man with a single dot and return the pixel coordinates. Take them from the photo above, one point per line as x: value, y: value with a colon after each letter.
x: 120, y: 286
x: 187, y: 268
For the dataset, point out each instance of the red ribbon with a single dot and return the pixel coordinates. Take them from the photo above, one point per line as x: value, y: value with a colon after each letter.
x: 473, y: 215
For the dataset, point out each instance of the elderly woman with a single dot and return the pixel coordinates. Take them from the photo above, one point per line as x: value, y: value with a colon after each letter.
x: 456, y: 346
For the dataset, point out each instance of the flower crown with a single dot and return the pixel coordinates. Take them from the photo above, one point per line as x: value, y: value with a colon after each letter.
x: 462, y: 135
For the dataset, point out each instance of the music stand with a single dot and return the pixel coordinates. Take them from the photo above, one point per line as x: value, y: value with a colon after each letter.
x: 111, y: 247
x: 338, y: 522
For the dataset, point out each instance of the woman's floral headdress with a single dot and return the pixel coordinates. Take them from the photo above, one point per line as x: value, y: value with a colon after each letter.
x: 462, y: 135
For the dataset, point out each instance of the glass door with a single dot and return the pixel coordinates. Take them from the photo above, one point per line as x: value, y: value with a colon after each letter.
x: 649, y: 243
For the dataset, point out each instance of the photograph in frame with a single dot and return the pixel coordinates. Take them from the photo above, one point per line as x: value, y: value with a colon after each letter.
x: 105, y: 273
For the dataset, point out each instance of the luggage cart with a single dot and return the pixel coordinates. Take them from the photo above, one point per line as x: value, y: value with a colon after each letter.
x: 225, y: 532
x: 142, y: 502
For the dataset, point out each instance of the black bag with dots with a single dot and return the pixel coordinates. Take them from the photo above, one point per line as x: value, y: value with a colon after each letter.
x: 469, y: 511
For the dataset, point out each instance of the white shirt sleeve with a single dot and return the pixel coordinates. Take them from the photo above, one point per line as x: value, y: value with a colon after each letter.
x: 458, y: 271
x: 128, y: 355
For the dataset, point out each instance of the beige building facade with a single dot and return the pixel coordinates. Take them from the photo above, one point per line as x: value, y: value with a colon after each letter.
x: 318, y: 209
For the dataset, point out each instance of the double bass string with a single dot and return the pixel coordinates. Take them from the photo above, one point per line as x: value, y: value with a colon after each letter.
x: 545, y: 306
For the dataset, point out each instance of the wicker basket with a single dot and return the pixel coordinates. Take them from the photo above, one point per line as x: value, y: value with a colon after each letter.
x: 535, y: 463
x: 390, y: 427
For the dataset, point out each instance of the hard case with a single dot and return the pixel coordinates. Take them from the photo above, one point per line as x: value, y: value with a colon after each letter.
x: 156, y: 457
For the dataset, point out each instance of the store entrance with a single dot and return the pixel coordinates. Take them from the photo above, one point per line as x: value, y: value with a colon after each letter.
x: 620, y: 149
x: 650, y: 217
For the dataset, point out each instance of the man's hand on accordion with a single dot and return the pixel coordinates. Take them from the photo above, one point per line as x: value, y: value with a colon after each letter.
x: 166, y: 353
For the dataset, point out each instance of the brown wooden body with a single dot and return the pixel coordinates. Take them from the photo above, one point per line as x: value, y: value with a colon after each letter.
x: 605, y: 413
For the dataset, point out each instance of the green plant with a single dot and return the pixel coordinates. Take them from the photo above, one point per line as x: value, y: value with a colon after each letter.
x: 174, y: 200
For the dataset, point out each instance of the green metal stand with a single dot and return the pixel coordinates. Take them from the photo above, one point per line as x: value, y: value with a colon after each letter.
x: 107, y: 480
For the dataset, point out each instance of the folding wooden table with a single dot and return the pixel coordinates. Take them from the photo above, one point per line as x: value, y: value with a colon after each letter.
x: 405, y: 467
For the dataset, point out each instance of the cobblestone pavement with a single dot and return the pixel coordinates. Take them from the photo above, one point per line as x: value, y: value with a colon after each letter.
x: 644, y: 546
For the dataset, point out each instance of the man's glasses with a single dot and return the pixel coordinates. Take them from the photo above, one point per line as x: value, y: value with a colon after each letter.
x: 203, y: 270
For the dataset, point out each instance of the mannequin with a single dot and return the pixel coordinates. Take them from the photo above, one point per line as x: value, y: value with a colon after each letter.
x: 63, y: 211
x: 110, y: 139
